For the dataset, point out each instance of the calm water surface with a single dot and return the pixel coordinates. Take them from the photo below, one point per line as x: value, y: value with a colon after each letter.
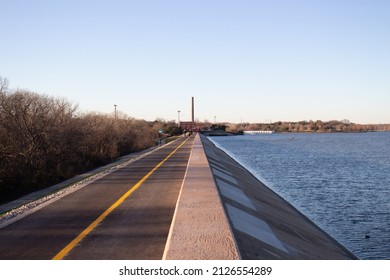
x: 341, y: 181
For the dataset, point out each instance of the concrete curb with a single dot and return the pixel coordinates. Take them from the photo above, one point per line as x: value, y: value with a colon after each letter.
x: 200, y: 229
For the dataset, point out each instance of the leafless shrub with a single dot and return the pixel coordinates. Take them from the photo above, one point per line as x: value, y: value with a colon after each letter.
x: 44, y: 140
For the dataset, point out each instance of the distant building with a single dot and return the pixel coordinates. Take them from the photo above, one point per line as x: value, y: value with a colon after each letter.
x: 254, y: 132
x: 189, y: 126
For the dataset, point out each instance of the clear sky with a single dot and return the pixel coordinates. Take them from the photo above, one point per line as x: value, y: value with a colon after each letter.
x: 250, y: 61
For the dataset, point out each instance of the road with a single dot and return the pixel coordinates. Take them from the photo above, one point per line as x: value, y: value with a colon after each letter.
x: 124, y: 215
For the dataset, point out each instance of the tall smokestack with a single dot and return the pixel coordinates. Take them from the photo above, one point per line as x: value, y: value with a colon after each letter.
x: 192, y: 110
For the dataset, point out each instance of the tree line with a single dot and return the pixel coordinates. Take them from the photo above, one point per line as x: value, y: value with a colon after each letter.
x: 308, y: 126
x: 45, y: 140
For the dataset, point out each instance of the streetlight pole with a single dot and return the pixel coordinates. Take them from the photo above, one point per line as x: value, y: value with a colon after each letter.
x: 115, y: 110
x: 178, y: 118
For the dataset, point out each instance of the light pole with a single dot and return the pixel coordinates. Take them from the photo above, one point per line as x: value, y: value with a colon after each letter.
x: 115, y: 110
x: 178, y: 118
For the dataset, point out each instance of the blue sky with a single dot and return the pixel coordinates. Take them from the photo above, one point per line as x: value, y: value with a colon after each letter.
x: 242, y: 60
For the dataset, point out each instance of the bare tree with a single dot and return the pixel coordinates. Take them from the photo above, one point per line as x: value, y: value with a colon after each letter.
x: 3, y: 85
x: 44, y: 140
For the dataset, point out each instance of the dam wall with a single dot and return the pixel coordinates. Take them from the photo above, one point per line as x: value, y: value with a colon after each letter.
x: 237, y: 216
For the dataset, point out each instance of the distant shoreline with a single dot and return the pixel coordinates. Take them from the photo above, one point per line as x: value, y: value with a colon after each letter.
x: 304, y: 127
x: 224, y: 133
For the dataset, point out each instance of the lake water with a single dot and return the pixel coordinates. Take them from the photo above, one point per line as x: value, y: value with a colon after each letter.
x: 341, y: 181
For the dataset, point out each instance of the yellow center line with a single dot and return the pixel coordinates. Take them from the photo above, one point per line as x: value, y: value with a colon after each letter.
x: 95, y: 223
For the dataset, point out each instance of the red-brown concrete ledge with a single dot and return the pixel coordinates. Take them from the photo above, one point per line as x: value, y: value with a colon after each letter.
x: 200, y: 229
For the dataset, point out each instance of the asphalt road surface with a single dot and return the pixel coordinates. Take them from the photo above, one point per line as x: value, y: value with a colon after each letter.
x: 124, y: 215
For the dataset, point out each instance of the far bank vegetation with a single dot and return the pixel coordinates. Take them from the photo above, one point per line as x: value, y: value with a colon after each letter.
x: 308, y: 127
x: 44, y: 140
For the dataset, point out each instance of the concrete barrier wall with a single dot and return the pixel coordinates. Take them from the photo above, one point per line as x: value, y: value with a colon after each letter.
x: 200, y: 229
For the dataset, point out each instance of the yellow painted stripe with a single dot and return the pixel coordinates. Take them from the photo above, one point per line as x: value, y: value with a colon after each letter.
x: 95, y: 223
